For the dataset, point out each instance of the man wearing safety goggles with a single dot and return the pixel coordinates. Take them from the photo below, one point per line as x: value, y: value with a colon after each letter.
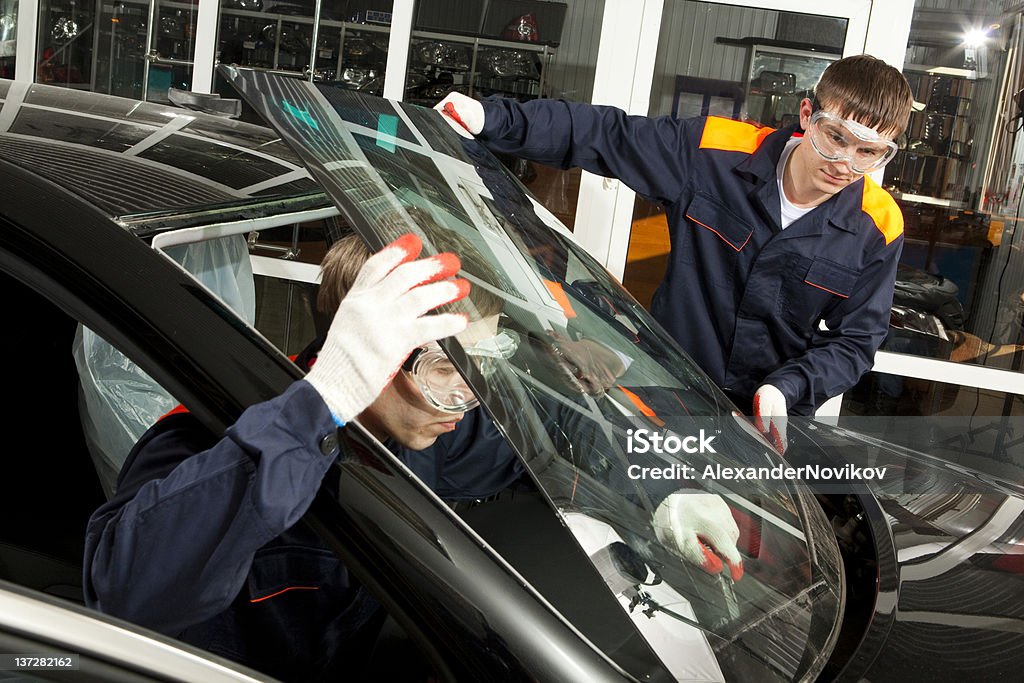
x: 427, y: 415
x: 440, y: 382
x: 200, y: 541
x: 428, y: 396
x: 772, y: 232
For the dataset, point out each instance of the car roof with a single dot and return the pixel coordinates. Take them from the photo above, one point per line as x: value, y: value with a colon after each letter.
x: 150, y: 166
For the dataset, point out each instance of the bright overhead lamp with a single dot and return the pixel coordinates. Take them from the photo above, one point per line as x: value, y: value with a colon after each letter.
x: 975, y: 37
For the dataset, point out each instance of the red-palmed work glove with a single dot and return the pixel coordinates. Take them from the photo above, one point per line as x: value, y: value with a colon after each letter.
x: 770, y: 414
x: 381, y: 320
x: 699, y: 528
x: 465, y: 114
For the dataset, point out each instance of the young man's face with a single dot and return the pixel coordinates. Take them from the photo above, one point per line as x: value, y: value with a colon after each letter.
x: 401, y: 411
x: 817, y: 177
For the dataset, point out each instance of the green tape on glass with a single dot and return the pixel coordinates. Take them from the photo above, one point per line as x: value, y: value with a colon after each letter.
x: 300, y: 114
x: 388, y: 125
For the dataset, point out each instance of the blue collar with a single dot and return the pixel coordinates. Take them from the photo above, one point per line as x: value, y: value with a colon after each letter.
x: 843, y: 210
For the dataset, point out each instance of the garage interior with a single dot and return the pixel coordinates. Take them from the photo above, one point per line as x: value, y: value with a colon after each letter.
x: 948, y: 379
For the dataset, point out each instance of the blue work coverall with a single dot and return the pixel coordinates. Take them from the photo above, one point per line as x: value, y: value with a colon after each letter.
x: 740, y: 295
x: 201, y: 542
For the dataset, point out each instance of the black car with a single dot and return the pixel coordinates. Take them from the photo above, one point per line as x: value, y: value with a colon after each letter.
x: 175, y: 254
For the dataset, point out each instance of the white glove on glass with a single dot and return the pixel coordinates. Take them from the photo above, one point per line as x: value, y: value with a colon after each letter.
x: 770, y: 415
x: 699, y: 527
x: 465, y: 114
x: 382, y: 320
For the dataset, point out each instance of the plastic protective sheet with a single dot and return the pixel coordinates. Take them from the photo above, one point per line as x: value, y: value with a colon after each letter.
x: 118, y: 401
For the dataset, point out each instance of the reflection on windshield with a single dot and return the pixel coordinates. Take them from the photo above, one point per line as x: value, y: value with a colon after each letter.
x: 592, y: 381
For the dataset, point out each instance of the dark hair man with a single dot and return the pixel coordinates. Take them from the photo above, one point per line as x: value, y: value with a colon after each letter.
x: 772, y: 232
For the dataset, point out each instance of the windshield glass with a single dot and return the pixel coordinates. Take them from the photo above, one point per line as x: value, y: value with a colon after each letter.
x: 607, y: 413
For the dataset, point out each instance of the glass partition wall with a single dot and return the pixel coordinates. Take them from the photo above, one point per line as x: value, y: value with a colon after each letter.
x: 333, y: 40
x: 141, y: 49
x: 960, y: 287
x: 519, y: 49
x: 131, y: 48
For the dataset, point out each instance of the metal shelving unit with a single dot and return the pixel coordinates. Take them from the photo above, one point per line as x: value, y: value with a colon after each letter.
x: 481, y: 66
x: 936, y: 165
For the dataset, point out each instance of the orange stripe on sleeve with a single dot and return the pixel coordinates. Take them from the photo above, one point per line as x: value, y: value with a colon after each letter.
x: 285, y: 590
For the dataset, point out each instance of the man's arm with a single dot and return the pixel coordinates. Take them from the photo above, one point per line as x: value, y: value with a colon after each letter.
x: 650, y: 155
x: 173, y: 547
x: 857, y: 326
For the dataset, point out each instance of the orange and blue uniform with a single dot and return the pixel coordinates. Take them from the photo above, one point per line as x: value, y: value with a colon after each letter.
x: 741, y: 295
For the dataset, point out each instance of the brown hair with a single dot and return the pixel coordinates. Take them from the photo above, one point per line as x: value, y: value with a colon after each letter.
x: 338, y: 271
x: 867, y: 90
x: 340, y: 267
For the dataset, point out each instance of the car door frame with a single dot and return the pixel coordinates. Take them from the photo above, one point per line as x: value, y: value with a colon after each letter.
x: 35, y: 624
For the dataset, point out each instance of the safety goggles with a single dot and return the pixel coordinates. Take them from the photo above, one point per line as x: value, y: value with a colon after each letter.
x: 439, y: 380
x: 837, y: 139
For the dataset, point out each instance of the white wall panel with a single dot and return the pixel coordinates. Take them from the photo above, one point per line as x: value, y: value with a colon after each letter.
x: 398, y: 49
x: 625, y: 67
x: 25, y: 58
x: 206, y: 46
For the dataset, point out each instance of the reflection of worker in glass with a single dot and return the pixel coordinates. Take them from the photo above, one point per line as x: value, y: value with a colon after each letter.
x: 585, y: 365
x: 696, y: 526
x: 772, y: 232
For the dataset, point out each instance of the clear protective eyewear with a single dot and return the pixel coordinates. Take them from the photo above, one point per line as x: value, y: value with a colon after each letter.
x: 439, y: 380
x: 837, y: 139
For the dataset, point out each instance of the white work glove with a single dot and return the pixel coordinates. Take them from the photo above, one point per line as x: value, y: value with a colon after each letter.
x: 770, y: 415
x: 463, y: 113
x: 699, y: 528
x: 382, y: 320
